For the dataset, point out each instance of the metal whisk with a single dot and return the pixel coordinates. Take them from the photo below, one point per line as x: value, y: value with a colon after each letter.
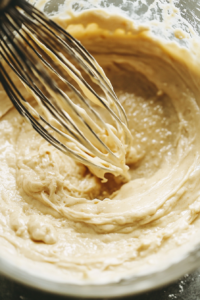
x: 40, y: 53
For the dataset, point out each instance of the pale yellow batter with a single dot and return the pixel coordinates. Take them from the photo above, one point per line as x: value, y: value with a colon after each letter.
x: 59, y: 220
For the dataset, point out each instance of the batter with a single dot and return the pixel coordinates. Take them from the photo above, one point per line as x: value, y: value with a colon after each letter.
x: 59, y: 220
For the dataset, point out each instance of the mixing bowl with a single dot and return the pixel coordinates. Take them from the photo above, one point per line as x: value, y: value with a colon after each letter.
x: 141, y: 12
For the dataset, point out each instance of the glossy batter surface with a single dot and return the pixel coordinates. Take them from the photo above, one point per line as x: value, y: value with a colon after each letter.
x: 58, y: 219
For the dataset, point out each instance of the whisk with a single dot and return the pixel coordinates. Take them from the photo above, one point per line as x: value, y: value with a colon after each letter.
x: 40, y: 53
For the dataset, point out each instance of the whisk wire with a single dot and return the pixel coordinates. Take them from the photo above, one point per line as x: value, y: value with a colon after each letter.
x: 27, y: 35
x: 65, y: 81
x: 11, y: 90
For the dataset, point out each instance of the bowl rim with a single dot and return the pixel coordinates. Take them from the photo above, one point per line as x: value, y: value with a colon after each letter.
x: 132, y: 286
